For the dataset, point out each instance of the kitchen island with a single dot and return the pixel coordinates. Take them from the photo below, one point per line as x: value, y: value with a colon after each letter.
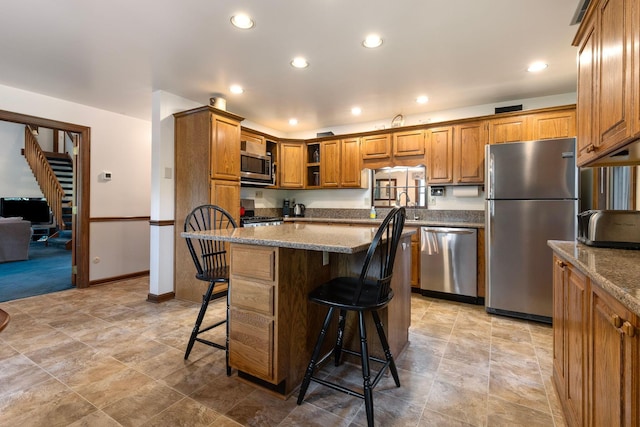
x: 272, y: 326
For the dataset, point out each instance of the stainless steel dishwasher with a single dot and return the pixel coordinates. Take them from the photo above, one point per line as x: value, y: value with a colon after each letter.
x: 448, y: 263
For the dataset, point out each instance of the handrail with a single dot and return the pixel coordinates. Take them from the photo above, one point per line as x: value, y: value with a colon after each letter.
x: 46, y: 178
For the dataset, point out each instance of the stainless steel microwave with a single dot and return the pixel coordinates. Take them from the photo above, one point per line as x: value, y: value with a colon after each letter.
x: 256, y: 169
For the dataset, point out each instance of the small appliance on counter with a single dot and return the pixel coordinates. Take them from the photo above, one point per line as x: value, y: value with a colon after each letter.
x: 286, y: 208
x: 298, y: 209
x: 609, y: 229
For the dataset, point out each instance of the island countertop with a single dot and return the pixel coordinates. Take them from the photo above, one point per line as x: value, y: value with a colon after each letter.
x: 314, y: 237
x: 615, y: 270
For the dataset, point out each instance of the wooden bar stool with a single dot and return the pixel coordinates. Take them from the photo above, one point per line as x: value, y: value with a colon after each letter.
x: 210, y: 259
x: 367, y: 293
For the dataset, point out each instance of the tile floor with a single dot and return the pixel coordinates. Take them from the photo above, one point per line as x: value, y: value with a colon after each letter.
x: 106, y: 357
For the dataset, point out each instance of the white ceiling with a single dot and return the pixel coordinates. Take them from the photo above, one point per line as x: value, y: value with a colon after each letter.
x: 114, y: 54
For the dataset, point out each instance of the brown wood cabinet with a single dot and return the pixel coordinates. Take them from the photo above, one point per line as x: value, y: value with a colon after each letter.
x: 469, y: 140
x: 340, y: 163
x: 440, y: 155
x: 292, y: 162
x: 376, y: 146
x: 207, y: 158
x: 614, y: 362
x: 415, y: 259
x: 569, y: 339
x: 254, y: 138
x: 596, y: 352
x: 409, y: 143
x: 509, y: 129
x: 607, y: 60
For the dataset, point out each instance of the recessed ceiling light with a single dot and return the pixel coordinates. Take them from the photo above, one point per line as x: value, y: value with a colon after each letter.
x: 422, y: 99
x: 242, y: 21
x: 299, y: 62
x: 372, y: 40
x: 293, y: 122
x: 236, y: 89
x: 537, y: 66
x: 356, y: 111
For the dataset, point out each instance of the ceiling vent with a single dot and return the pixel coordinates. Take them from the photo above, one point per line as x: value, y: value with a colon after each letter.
x: 580, y: 11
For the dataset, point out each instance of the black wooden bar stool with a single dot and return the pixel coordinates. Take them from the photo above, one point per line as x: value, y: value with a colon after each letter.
x: 369, y: 292
x: 210, y: 259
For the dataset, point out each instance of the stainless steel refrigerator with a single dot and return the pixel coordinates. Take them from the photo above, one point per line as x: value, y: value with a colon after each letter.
x: 531, y: 198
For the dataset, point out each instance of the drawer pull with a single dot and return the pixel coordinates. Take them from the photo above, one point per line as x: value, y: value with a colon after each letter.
x: 561, y: 264
x: 615, y: 320
x: 629, y: 329
x: 590, y: 148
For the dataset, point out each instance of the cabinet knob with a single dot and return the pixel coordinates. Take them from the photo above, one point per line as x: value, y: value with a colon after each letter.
x: 561, y: 264
x: 629, y: 329
x: 615, y: 320
x: 590, y: 148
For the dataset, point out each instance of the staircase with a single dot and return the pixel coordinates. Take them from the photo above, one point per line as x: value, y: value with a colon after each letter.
x: 62, y: 167
x: 54, y: 174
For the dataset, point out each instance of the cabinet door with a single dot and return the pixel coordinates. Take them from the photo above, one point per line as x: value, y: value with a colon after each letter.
x: 575, y: 343
x: 251, y: 342
x: 376, y: 146
x: 415, y: 260
x: 253, y: 142
x: 553, y: 125
x: 292, y: 165
x: 614, y: 72
x: 510, y: 129
x: 559, y: 324
x: 408, y: 143
x: 586, y: 141
x: 330, y: 163
x: 350, y: 163
x: 225, y: 151
x: 614, y: 362
x: 468, y: 154
x: 440, y: 155
x: 226, y: 194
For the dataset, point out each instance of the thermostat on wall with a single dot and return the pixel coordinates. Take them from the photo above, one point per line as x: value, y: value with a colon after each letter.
x: 106, y: 175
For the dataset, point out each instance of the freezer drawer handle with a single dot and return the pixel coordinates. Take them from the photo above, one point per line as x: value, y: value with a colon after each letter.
x: 567, y: 155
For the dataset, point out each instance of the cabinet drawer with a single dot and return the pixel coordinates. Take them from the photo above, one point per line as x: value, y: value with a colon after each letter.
x: 251, y: 343
x: 253, y: 296
x: 257, y: 262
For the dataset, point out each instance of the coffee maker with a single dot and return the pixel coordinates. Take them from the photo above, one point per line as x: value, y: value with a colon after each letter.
x: 286, y: 208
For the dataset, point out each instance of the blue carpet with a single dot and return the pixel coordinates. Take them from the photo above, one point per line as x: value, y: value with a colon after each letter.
x: 48, y: 269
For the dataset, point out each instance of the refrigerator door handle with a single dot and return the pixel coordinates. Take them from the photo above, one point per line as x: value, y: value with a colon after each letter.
x: 568, y: 155
x: 490, y: 172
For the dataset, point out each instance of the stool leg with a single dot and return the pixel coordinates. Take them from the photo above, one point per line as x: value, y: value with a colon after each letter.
x: 337, y: 350
x: 366, y: 374
x: 314, y: 357
x: 226, y: 350
x: 196, y: 327
x: 385, y: 347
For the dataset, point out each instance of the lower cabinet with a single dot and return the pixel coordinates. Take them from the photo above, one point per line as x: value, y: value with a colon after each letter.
x: 596, y: 358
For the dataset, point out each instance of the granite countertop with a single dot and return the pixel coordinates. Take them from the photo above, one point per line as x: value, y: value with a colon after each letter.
x: 374, y: 222
x: 615, y: 270
x: 314, y: 237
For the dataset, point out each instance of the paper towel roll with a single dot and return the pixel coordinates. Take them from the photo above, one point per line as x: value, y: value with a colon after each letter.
x: 466, y: 191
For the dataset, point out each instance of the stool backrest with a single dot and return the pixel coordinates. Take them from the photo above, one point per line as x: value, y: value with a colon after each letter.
x: 208, y: 255
x: 385, y: 244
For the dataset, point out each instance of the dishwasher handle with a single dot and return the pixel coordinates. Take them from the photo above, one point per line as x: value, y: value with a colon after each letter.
x: 444, y: 230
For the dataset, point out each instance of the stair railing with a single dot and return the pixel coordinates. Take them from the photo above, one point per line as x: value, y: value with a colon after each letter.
x: 46, y: 178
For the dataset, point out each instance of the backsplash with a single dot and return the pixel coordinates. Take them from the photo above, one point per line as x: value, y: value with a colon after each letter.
x: 462, y: 216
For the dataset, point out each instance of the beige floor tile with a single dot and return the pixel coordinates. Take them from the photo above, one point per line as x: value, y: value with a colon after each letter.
x: 105, y: 356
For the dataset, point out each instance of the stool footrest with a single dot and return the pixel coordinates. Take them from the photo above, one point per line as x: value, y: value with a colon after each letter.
x: 211, y: 343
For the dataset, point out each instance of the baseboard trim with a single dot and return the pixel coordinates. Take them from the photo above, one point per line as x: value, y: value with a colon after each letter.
x: 117, y: 278
x: 157, y: 299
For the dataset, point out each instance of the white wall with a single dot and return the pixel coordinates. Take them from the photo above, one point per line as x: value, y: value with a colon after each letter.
x: 121, y: 145
x: 16, y: 178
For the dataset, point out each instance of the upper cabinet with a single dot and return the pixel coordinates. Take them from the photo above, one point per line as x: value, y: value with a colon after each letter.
x: 440, y: 155
x: 225, y: 141
x: 376, y: 146
x: 469, y: 140
x: 292, y: 164
x: 340, y: 163
x: 528, y: 126
x: 608, y: 55
x: 408, y: 143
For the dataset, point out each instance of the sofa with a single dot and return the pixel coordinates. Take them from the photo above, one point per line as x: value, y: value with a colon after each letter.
x: 15, y: 235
